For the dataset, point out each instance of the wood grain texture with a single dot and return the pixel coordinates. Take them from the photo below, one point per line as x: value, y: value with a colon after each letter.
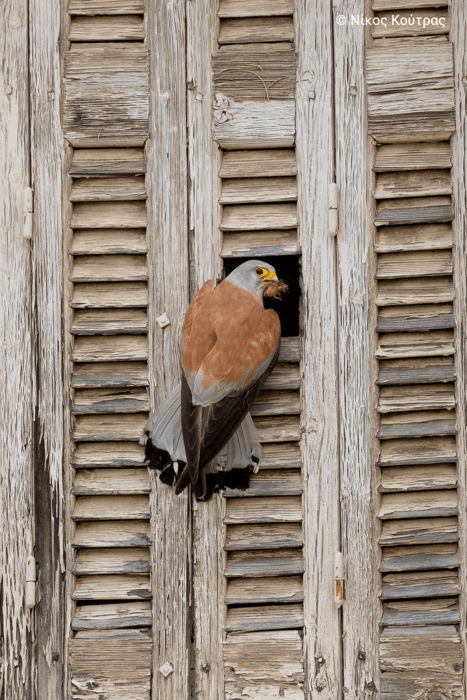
x: 405, y: 686
x: 109, y: 295
x: 107, y: 28
x: 167, y: 181
x: 106, y: 91
x: 420, y: 584
x: 133, y: 560
x: 258, y: 190
x: 114, y: 533
x: 111, y: 508
x: 430, y: 647
x: 413, y: 210
x: 267, y: 617
x: 413, y: 613
x: 263, y: 510
x: 264, y: 662
x: 416, y: 398
x: 111, y: 481
x: 105, y: 7
x: 243, y: 8
x: 421, y: 478
x: 409, y: 4
x: 107, y: 161
x: 113, y: 616
x: 264, y: 590
x: 109, y: 321
x: 416, y: 183
x: 101, y: 189
x: 109, y: 427
x: 16, y: 356
x: 415, y: 371
x: 108, y: 348
x: 413, y: 103
x: 419, y: 557
x: 255, y: 217
x: 255, y: 72
x: 417, y: 424
x: 418, y: 451
x: 109, y: 215
x: 415, y: 318
x: 418, y: 504
x: 102, y: 241
x: 251, y: 564
x: 272, y: 429
x: 416, y: 290
x: 411, y: 23
x: 261, y: 29
x: 112, y: 586
x: 245, y: 125
x: 118, y: 667
x: 277, y: 536
x: 263, y: 163
x: 260, y: 244
x: 277, y: 403
x: 412, y: 156
x: 415, y: 237
x: 281, y: 455
x: 271, y: 483
x: 101, y: 454
x: 426, y: 263
x: 423, y: 531
x: 111, y: 268
x: 109, y: 374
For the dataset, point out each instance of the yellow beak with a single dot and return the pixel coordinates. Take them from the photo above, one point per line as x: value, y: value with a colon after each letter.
x: 270, y: 277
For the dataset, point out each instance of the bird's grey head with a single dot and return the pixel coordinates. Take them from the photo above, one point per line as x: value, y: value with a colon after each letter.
x: 254, y: 276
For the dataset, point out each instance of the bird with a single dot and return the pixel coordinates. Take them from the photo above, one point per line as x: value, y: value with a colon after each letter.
x: 203, y: 434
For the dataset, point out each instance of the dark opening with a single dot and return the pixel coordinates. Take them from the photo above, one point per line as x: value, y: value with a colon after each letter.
x: 288, y: 308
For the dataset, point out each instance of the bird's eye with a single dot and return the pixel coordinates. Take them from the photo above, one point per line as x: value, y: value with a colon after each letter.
x: 260, y: 271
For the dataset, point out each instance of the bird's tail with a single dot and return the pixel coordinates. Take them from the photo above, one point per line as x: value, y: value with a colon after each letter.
x: 165, y: 451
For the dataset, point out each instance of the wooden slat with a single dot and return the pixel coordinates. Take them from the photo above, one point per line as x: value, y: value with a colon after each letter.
x: 421, y: 478
x: 406, y: 4
x: 287, y: 482
x: 284, y: 376
x: 106, y: 100
x: 414, y: 613
x: 128, y: 426
x: 103, y: 454
x: 281, y: 456
x: 108, y: 28
x: 278, y: 536
x: 264, y: 510
x: 253, y: 564
x: 255, y: 71
x: 107, y: 161
x: 413, y: 156
x: 411, y: 23
x: 105, y: 7
x: 283, y: 429
x: 256, y: 661
x: 426, y: 263
x: 112, y: 586
x: 431, y: 290
x: 108, y: 295
x: 427, y: 317
x: 256, y: 217
x: 101, y: 664
x: 410, y: 92
x: 421, y: 557
x: 413, y: 210
x: 108, y: 241
x: 416, y: 398
x: 109, y: 268
x: 420, y: 584
x: 418, y: 451
x: 415, y: 237
x: 111, y: 481
x: 418, y: 504
x: 261, y: 29
x: 260, y: 244
x: 264, y: 163
x: 417, y: 424
x: 252, y: 125
x: 117, y: 533
x: 112, y: 616
x: 264, y: 618
x: 109, y: 375
x: 416, y: 183
x: 136, y: 560
x: 89, y: 401
x: 109, y: 321
x: 277, y: 403
x: 421, y: 648
x: 403, y: 686
x: 244, y: 8
x: 257, y: 190
x: 107, y: 347
x: 418, y: 531
x: 264, y: 590
x: 111, y: 508
x: 406, y: 345
x: 416, y: 371
x: 102, y: 189
x: 109, y: 215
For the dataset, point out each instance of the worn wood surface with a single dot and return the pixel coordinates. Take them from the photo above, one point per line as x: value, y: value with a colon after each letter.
x: 260, y: 29
x: 423, y: 478
x: 417, y: 183
x: 107, y: 161
x: 410, y: 23
x: 265, y: 590
x: 420, y: 649
x: 243, y: 8
x: 107, y: 28
x: 415, y: 290
x: 414, y: 237
x: 411, y: 613
x: 418, y: 504
x: 419, y: 557
x: 101, y: 348
x: 276, y: 536
x: 240, y: 125
x: 116, y: 533
x: 416, y: 398
x: 412, y: 156
x: 135, y: 560
x: 102, y: 241
x: 271, y: 617
x: 112, y: 616
x: 109, y: 295
x: 415, y: 318
x: 423, y: 531
x: 105, y: 7
x: 413, y: 210
x: 92, y: 189
x: 420, y: 585
x: 414, y: 371
x: 110, y: 321
x: 101, y: 454
x: 429, y: 263
x: 418, y: 451
x: 278, y: 562
x: 263, y: 163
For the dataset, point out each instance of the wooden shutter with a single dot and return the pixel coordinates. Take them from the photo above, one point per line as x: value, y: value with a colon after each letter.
x: 420, y: 645
x: 106, y: 123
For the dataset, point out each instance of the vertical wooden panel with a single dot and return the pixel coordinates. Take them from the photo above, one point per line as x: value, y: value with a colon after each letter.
x: 46, y: 149
x: 15, y: 354
x: 205, y: 263
x: 168, y: 285
x: 319, y: 417
x: 358, y: 522
x: 459, y: 156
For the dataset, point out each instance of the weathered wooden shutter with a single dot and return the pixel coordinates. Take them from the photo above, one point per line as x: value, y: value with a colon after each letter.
x: 411, y: 115
x: 106, y: 124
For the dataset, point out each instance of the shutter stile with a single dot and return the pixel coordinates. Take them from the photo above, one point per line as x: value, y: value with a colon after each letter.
x: 105, y: 120
x: 420, y: 649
